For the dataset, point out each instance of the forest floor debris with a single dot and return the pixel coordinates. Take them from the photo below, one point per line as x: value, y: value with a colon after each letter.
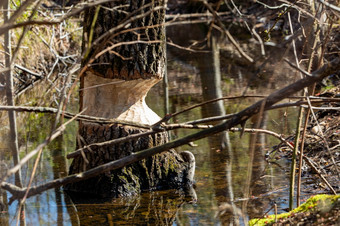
x: 322, y: 145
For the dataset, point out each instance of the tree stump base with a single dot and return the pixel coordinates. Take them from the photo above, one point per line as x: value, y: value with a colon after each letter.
x: 167, y: 170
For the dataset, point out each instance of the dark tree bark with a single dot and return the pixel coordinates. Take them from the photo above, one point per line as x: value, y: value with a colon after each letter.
x: 115, y: 86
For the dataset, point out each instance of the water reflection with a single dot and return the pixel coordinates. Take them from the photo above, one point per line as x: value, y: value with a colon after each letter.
x: 220, y: 147
x: 152, y: 208
x: 59, y: 171
x: 156, y: 208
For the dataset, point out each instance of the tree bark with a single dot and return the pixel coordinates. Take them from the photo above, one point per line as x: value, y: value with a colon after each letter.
x: 114, y: 86
x: 9, y: 87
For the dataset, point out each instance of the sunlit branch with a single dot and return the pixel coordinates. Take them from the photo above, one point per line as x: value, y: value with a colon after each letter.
x: 239, y: 118
x: 162, y: 128
x: 330, y: 5
x: 203, y: 120
x: 19, y: 192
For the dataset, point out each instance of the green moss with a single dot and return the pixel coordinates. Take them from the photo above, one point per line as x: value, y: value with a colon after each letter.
x: 122, y: 179
x: 135, y: 180
x: 316, y: 203
x: 172, y: 164
x: 166, y: 167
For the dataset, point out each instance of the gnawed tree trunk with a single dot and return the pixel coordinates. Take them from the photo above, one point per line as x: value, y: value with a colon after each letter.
x: 115, y: 86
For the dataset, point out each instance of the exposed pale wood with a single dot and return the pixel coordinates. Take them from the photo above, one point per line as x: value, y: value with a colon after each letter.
x: 118, y: 99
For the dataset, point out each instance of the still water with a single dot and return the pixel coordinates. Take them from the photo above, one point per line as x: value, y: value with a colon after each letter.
x: 234, y: 182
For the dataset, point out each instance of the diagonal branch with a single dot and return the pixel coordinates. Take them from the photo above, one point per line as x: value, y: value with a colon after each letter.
x: 239, y: 118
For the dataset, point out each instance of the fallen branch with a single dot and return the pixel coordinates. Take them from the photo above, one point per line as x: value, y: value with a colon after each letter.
x: 87, y: 148
x: 239, y: 118
x: 71, y: 115
x: 204, y: 120
x: 28, y: 71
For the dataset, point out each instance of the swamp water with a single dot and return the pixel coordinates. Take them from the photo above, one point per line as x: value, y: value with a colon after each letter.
x: 234, y: 182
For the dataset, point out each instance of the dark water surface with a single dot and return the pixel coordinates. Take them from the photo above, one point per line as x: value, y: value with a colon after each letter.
x: 234, y: 182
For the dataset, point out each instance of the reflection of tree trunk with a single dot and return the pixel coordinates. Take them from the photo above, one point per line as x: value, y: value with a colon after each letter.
x: 220, y: 160
x: 153, y: 208
x: 209, y: 68
x: 258, y: 142
x: 254, y: 185
x: 115, y: 86
x: 59, y: 171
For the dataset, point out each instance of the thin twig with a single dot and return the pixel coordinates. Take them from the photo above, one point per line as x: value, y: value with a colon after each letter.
x: 325, y: 141
x: 203, y: 120
x: 71, y: 115
x: 186, y: 48
x: 330, y: 5
x: 30, y: 155
x: 28, y: 71
x: 227, y: 33
x: 279, y: 136
x: 297, y: 128
x: 297, y: 68
x: 74, y: 12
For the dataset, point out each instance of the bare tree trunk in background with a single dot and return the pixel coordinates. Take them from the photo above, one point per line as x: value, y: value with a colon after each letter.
x: 9, y: 89
x: 115, y: 86
x: 13, y: 137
